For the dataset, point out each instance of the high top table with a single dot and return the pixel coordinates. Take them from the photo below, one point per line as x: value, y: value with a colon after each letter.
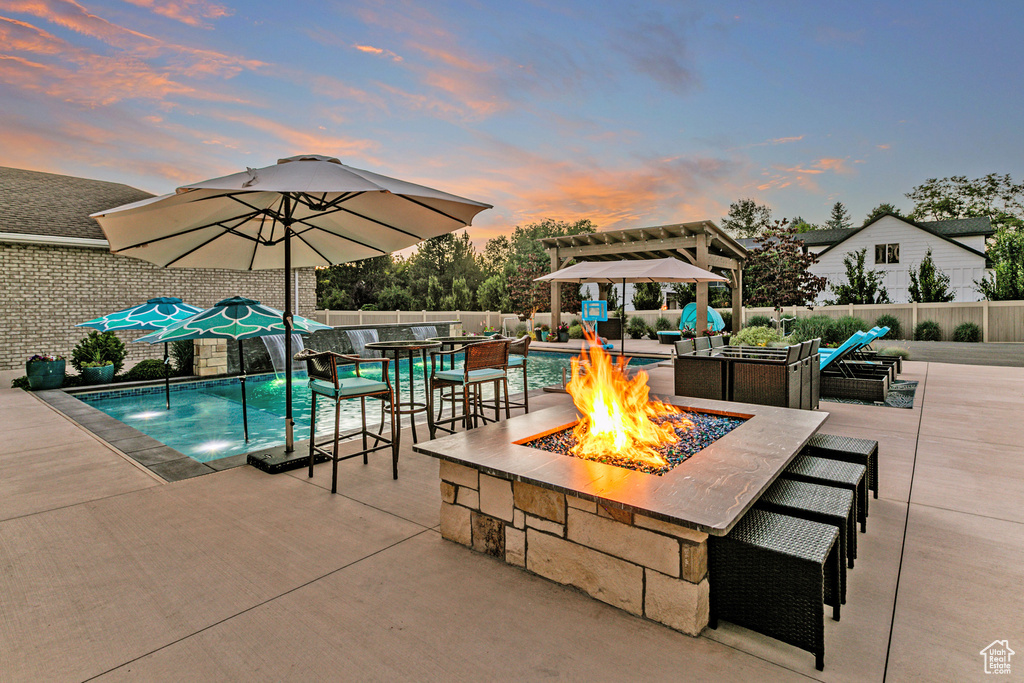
x: 410, y: 349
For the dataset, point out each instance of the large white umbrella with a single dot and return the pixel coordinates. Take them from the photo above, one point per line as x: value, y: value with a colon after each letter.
x: 304, y: 211
x: 634, y: 270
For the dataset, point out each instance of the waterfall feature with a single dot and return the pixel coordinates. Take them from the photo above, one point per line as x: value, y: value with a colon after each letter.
x: 275, y: 347
x: 359, y: 340
x: 423, y: 332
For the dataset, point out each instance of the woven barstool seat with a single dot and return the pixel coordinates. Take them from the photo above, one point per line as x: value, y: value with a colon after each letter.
x: 825, y: 504
x: 847, y: 449
x: 771, y: 573
x: 845, y: 475
x: 485, y: 362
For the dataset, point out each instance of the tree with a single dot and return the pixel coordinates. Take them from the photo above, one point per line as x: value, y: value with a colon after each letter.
x: 526, y: 296
x: 446, y: 258
x: 929, y: 284
x: 497, y: 253
x: 683, y: 293
x: 747, y: 218
x: 492, y: 295
x: 862, y: 286
x: 461, y: 299
x: 395, y: 298
x: 993, y: 195
x: 434, y: 293
x: 647, y: 296
x: 1007, y: 254
x: 349, y: 286
x: 839, y: 219
x: 881, y: 209
x: 777, y: 273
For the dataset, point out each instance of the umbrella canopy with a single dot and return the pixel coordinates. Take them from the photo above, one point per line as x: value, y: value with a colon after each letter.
x: 646, y: 270
x: 306, y: 210
x: 155, y: 314
x: 234, y: 318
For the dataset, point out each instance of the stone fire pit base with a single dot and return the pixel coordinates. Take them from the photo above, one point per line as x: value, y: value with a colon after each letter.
x: 645, y: 566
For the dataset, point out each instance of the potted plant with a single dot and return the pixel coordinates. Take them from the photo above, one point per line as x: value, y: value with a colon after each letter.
x: 45, y: 371
x: 563, y: 333
x: 544, y: 331
x: 490, y: 331
x: 98, y: 357
x: 97, y: 372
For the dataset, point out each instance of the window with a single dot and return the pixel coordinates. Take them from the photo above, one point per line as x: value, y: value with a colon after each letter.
x: 887, y: 253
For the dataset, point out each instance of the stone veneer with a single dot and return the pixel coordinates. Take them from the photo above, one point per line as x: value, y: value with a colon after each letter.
x: 46, y: 290
x: 645, y: 566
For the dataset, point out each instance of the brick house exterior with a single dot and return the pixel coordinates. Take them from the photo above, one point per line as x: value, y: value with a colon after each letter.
x: 56, y: 269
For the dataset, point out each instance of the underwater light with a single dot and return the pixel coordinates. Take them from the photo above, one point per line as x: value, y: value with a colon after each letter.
x: 147, y: 415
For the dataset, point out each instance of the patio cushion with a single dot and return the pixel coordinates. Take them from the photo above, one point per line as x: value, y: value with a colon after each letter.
x: 515, y: 360
x: 350, y: 386
x: 481, y: 375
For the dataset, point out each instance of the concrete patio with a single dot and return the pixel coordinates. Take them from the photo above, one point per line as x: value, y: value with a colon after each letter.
x: 110, y: 573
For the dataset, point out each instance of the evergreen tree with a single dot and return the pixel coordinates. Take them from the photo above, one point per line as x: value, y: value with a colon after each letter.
x: 882, y: 208
x: 862, y: 286
x: 1007, y: 254
x: 840, y: 218
x: 929, y: 284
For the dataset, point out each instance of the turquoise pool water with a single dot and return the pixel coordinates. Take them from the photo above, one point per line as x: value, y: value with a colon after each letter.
x: 205, y: 419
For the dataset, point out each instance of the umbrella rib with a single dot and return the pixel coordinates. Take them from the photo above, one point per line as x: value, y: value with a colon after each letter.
x: 427, y: 206
x: 306, y: 242
x: 372, y: 220
x: 334, y: 234
x: 198, y: 247
x: 256, y: 242
x: 219, y: 224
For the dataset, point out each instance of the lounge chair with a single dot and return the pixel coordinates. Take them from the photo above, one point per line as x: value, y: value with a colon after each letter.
x: 688, y: 319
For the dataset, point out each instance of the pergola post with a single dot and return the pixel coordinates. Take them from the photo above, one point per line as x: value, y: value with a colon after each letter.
x: 701, y: 321
x: 556, y: 292
x: 737, y: 300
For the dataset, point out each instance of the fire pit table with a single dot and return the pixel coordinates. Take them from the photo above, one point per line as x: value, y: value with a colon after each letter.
x: 635, y: 540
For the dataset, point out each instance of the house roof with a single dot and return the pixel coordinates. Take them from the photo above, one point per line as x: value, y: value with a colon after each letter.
x: 37, y: 203
x: 941, y: 229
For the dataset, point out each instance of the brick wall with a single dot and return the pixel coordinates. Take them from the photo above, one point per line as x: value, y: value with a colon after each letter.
x: 46, y: 290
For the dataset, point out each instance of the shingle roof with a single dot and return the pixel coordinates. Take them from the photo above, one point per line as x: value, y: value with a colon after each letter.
x: 959, y: 227
x: 36, y: 203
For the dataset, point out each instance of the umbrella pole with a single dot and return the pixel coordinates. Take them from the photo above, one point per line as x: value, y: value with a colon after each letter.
x: 241, y: 372
x: 289, y: 444
x: 622, y: 321
x: 167, y: 378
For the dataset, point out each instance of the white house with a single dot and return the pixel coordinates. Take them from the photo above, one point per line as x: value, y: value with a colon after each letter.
x: 896, y: 245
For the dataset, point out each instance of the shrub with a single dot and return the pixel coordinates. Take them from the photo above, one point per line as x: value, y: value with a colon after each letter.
x: 927, y: 330
x: 759, y: 321
x: 892, y: 322
x: 755, y: 336
x: 520, y: 330
x: 575, y: 321
x: 576, y: 332
x: 99, y: 347
x: 843, y: 328
x: 967, y: 332
x: 183, y: 352
x: 813, y: 327
x: 895, y: 351
x: 727, y: 319
x: 20, y: 383
x: 662, y: 324
x: 652, y: 333
x: 368, y: 307
x: 150, y: 368
x: 636, y: 327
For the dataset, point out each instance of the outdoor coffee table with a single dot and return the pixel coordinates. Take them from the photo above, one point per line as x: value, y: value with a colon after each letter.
x: 409, y: 349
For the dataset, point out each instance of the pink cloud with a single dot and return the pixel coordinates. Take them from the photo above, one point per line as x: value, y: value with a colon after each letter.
x: 369, y: 49
x: 191, y: 12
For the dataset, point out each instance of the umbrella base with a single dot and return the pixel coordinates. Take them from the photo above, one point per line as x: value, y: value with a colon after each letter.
x: 275, y: 460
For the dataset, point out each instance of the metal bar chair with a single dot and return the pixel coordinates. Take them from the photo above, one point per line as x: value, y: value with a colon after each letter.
x: 485, y: 362
x: 324, y: 383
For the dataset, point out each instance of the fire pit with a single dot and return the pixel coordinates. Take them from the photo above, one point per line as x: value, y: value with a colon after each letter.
x: 630, y: 538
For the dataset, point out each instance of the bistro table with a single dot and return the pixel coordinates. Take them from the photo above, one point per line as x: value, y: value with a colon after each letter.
x: 410, y: 349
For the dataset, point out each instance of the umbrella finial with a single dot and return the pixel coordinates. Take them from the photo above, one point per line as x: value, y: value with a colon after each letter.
x: 253, y: 178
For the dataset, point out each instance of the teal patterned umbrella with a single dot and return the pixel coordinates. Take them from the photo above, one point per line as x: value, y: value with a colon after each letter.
x: 155, y: 314
x: 235, y: 318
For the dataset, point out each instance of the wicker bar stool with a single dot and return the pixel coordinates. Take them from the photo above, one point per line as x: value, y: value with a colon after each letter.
x: 845, y: 475
x: 847, y: 449
x: 484, y: 362
x: 324, y: 383
x: 769, y: 575
x: 518, y: 352
x: 825, y: 504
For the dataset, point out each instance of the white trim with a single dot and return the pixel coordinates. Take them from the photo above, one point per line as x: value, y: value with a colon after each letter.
x: 53, y: 240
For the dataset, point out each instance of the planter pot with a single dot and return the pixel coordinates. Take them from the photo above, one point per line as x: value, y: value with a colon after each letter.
x: 100, y: 375
x: 45, y: 374
x: 563, y: 337
x: 490, y: 334
x: 544, y: 335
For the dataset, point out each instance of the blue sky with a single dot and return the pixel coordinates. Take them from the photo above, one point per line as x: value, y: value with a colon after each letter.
x: 630, y: 114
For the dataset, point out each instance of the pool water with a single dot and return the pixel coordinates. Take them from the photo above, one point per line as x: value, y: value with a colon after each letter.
x: 205, y: 419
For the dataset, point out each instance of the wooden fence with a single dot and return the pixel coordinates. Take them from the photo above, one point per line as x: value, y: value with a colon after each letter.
x: 1000, y: 321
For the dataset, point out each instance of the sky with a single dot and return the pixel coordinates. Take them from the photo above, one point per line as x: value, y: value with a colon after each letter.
x: 631, y: 114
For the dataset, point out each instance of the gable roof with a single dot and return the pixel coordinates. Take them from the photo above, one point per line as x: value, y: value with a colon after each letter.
x: 37, y: 203
x: 945, y: 230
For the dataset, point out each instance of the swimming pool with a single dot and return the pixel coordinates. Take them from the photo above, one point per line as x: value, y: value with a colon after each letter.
x: 205, y: 419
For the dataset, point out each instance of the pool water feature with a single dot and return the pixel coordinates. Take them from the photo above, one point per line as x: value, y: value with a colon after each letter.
x: 205, y: 420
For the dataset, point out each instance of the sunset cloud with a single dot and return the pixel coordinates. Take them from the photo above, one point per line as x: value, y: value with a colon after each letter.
x: 369, y: 49
x: 191, y: 12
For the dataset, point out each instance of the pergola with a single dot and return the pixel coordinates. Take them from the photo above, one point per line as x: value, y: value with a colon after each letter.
x: 701, y: 243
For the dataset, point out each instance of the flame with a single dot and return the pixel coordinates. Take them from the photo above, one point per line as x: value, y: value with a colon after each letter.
x: 617, y: 414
